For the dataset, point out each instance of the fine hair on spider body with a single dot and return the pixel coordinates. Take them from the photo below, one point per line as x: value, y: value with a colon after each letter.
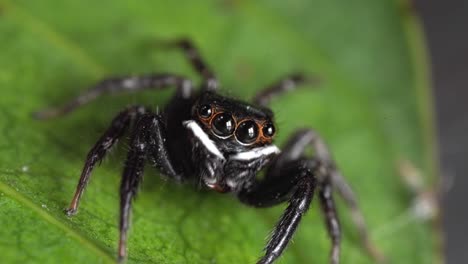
x: 203, y: 137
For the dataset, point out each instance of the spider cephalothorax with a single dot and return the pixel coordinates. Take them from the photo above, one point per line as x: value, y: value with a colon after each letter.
x: 244, y: 124
x: 229, y: 134
x: 219, y: 143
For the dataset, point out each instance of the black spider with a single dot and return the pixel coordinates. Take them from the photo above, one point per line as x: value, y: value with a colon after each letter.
x: 202, y: 137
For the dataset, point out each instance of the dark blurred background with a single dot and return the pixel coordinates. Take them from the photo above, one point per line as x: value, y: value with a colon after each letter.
x: 446, y: 27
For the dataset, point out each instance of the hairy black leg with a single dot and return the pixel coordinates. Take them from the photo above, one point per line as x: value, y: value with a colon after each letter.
x: 131, y: 178
x: 192, y: 53
x: 147, y: 141
x: 331, y: 219
x: 295, y: 148
x: 121, y: 84
x: 275, y: 187
x: 117, y: 128
x: 298, y: 188
x: 288, y: 83
x: 345, y: 191
x: 340, y: 184
x: 298, y: 205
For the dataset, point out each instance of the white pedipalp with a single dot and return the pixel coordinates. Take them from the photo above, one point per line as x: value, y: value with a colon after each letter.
x: 203, y: 137
x: 256, y: 153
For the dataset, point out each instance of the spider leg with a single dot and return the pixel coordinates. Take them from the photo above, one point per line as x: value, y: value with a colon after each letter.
x: 348, y: 196
x: 131, y: 178
x: 331, y: 218
x: 276, y: 188
x: 193, y: 55
x: 298, y: 188
x: 286, y: 84
x: 147, y: 140
x: 295, y: 148
x: 118, y: 85
x: 117, y: 128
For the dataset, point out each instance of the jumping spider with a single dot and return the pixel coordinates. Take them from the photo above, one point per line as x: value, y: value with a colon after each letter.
x: 222, y: 143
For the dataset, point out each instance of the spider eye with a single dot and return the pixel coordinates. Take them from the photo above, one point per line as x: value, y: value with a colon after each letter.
x: 247, y: 132
x: 205, y: 111
x: 268, y: 130
x: 223, y: 124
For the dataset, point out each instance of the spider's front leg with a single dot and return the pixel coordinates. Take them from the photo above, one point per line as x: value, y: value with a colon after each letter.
x: 112, y: 135
x: 147, y: 142
x: 297, y: 185
x: 293, y: 177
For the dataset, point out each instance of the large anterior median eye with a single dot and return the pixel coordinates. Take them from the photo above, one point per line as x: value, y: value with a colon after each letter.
x: 223, y: 124
x: 247, y: 132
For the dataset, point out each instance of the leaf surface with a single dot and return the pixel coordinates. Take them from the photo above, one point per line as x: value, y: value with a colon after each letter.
x: 372, y: 107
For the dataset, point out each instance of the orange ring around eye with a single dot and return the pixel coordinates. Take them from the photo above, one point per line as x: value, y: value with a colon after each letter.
x: 205, y: 111
x: 264, y: 139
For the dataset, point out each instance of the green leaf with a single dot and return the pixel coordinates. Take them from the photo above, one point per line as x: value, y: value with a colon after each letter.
x: 373, y: 107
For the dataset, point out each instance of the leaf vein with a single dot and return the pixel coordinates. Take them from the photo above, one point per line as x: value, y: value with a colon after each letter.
x: 19, y: 197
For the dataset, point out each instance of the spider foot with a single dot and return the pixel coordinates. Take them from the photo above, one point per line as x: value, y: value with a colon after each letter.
x: 71, y: 212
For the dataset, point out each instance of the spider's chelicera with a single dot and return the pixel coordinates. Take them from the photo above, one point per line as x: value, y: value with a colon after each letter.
x: 222, y: 143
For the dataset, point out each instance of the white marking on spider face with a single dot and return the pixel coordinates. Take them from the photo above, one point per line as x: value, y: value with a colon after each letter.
x: 256, y: 153
x: 203, y: 137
